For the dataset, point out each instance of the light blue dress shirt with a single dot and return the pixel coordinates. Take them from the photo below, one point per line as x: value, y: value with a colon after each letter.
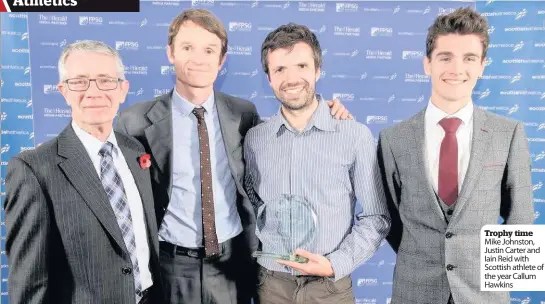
x: 182, y: 224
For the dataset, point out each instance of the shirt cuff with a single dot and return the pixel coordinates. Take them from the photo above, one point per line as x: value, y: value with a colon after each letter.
x: 341, y: 264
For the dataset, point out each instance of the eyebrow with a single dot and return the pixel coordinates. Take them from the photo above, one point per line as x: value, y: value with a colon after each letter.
x: 87, y: 76
x: 210, y: 44
x: 283, y: 66
x: 470, y: 54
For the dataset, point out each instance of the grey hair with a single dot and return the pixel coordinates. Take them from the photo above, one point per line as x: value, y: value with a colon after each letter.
x: 91, y: 46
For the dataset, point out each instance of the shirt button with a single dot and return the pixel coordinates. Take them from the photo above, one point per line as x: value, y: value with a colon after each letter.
x: 126, y: 270
x: 448, y: 235
x: 450, y: 267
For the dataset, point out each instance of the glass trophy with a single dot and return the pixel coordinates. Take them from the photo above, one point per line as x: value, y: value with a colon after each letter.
x: 285, y: 225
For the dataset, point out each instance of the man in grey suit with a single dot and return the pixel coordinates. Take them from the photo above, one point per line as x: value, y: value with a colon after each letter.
x: 195, y: 136
x: 449, y: 170
x: 79, y: 208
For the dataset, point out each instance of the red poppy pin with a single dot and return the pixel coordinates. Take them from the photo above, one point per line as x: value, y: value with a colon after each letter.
x: 145, y: 161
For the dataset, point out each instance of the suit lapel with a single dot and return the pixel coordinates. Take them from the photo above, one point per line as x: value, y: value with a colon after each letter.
x: 419, y: 133
x: 479, y: 145
x: 141, y: 178
x: 79, y: 170
x: 159, y: 137
x: 229, y: 125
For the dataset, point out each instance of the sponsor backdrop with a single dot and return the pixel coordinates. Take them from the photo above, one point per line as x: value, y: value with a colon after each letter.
x: 372, y: 54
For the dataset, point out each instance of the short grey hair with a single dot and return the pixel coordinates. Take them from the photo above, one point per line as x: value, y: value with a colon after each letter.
x: 91, y: 46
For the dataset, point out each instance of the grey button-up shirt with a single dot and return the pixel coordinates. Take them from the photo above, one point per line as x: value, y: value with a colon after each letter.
x: 331, y: 164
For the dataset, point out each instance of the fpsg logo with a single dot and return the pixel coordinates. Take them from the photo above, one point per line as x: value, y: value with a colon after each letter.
x: 24, y: 36
x: 346, y: 7
x: 50, y: 89
x: 381, y: 31
x: 364, y: 282
x: 86, y: 20
x: 3, y: 116
x: 406, y: 55
x: 126, y: 45
x: 167, y: 70
x: 376, y: 119
x: 222, y: 72
x: 27, y: 70
x: 488, y: 61
x: 240, y: 26
x: 344, y: 96
x: 202, y: 2
x: 541, y: 126
x: 538, y: 186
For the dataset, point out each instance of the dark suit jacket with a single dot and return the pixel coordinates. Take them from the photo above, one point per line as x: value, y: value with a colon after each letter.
x: 151, y: 123
x: 63, y: 241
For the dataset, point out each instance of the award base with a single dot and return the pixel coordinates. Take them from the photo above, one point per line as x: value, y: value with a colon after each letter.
x: 286, y: 257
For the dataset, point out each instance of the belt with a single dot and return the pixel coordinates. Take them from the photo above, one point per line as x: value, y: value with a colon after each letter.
x: 226, y: 247
x: 197, y: 253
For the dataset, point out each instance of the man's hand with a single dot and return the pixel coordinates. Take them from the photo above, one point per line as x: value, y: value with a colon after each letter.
x: 317, y: 265
x: 339, y: 110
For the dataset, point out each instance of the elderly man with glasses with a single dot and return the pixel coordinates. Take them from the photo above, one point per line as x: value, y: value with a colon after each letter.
x: 79, y: 209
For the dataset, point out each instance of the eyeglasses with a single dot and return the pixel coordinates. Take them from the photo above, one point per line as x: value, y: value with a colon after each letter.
x: 82, y: 84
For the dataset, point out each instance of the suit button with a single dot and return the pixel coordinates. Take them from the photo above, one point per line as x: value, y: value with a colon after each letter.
x: 126, y: 270
x: 450, y: 267
x: 448, y: 235
x: 450, y: 212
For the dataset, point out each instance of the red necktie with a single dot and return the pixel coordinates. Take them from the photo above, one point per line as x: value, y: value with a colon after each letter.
x: 448, y: 161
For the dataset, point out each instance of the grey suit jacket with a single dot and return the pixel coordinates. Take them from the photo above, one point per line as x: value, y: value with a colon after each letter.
x: 497, y: 183
x: 63, y: 241
x: 151, y: 123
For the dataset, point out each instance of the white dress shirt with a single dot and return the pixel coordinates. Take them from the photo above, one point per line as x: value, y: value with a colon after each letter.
x: 93, y: 146
x: 434, y: 136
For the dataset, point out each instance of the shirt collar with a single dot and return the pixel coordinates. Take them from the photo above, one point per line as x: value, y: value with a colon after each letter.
x: 434, y: 115
x: 185, y: 107
x: 321, y: 119
x: 92, y: 144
